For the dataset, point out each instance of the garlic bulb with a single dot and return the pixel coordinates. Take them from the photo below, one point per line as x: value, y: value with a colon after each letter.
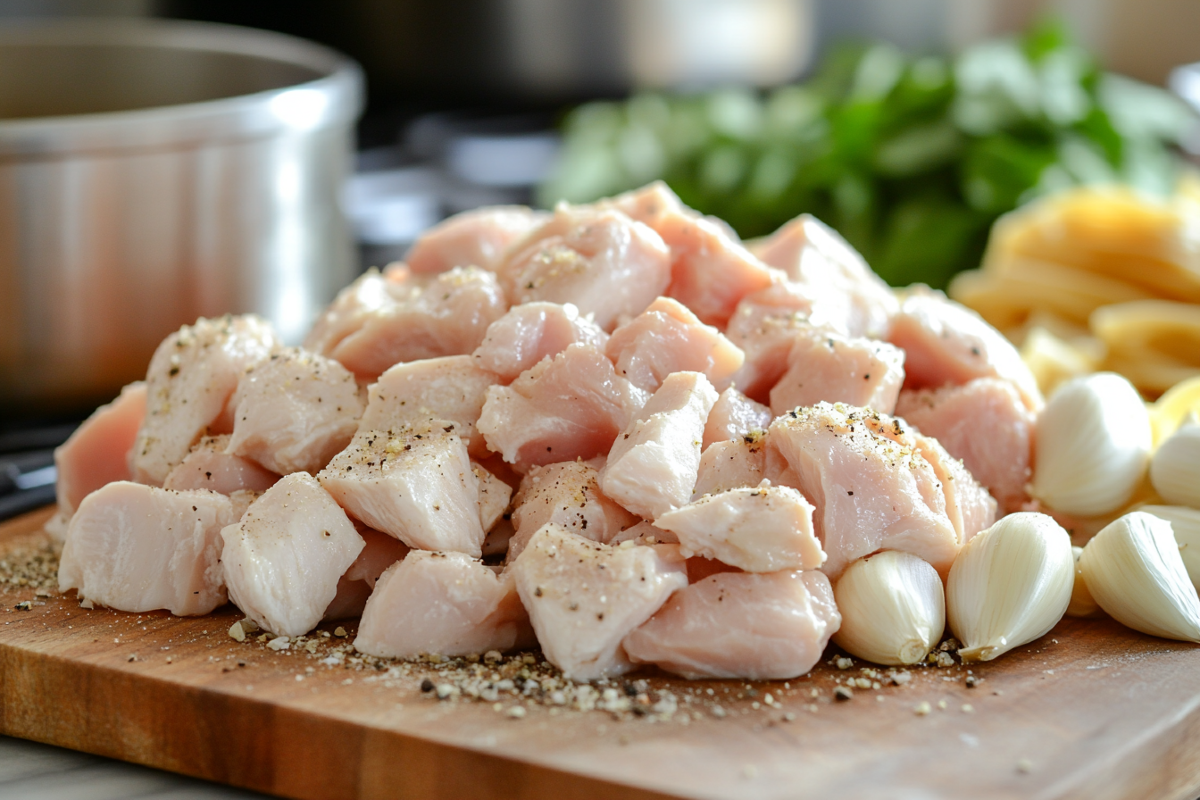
x: 1093, y: 441
x: 1009, y: 585
x: 1175, y: 468
x: 1082, y: 603
x: 1134, y: 570
x: 892, y: 606
x: 1185, y: 524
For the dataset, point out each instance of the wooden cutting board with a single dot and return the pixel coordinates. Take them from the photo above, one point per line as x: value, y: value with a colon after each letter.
x: 1093, y: 711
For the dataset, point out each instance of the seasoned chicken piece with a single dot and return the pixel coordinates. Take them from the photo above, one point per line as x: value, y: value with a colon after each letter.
x: 97, y: 453
x: 600, y: 260
x: 947, y: 343
x: 294, y: 411
x: 741, y: 625
x: 583, y: 597
x: 842, y: 286
x: 476, y: 238
x: 414, y: 482
x: 241, y: 500
x: 379, y: 552
x: 648, y: 204
x: 451, y: 388
x: 731, y: 464
x: 530, y: 332
x: 445, y: 315
x: 209, y: 466
x: 667, y: 338
x: 764, y: 326
x: 986, y: 424
x: 567, y: 494
x: 494, y: 496
x: 871, y: 493
x: 138, y: 548
x: 763, y: 528
x: 444, y: 603
x: 572, y: 406
x: 192, y: 375
x: 824, y: 365
x: 283, y: 560
x: 652, y: 466
x: 349, y: 311
x: 734, y: 416
x: 968, y: 505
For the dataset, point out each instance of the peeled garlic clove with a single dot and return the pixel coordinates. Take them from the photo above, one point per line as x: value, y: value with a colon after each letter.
x: 1009, y: 585
x: 1093, y: 442
x: 1175, y: 468
x: 892, y: 606
x: 1134, y: 570
x: 1082, y: 603
x: 1185, y: 524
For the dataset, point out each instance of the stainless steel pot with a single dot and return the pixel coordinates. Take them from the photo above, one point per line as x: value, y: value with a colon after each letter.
x: 152, y: 172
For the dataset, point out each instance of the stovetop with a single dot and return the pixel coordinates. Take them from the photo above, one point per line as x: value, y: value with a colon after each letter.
x: 27, y: 473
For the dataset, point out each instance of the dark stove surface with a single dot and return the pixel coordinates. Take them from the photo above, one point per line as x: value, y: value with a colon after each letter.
x: 27, y: 473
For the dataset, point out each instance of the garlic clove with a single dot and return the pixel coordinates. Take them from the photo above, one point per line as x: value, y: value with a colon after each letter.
x: 1134, y: 571
x: 1093, y: 443
x: 1185, y: 524
x: 1009, y: 585
x: 893, y: 608
x: 1082, y: 603
x: 1175, y: 468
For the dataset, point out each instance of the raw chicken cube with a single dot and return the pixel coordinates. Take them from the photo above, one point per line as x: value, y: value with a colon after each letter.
x: 824, y: 365
x: 476, y: 238
x: 530, y: 332
x: 764, y: 326
x: 648, y: 204
x: 445, y: 315
x: 494, y: 496
x: 97, y: 453
x: 758, y: 529
x: 839, y: 280
x: 600, y: 260
x: 583, y: 598
x: 731, y: 464
x: 968, y: 505
x: 192, y: 375
x: 567, y: 494
x: 138, y: 548
x: 241, y: 500
x: 947, y: 343
x: 667, y: 338
x: 451, y: 388
x: 741, y: 625
x: 986, y: 424
x: 734, y: 416
x: 294, y: 412
x: 870, y: 492
x: 572, y: 406
x: 209, y: 466
x: 283, y: 560
x: 444, y: 603
x: 652, y: 467
x: 349, y: 311
x: 379, y: 552
x: 414, y: 482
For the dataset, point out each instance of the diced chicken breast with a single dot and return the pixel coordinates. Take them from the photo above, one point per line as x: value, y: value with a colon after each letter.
x: 414, y: 482
x: 476, y: 238
x: 870, y: 492
x: 139, y: 548
x: 209, y: 466
x: 583, y: 598
x: 567, y: 494
x: 648, y: 204
x: 763, y: 528
x: 824, y: 365
x: 445, y: 315
x: 652, y: 466
x: 294, y: 411
x: 741, y: 625
x: 530, y: 332
x: 444, y: 603
x: 842, y: 285
x: 192, y: 375
x: 968, y: 505
x: 734, y: 416
x: 764, y: 326
x: 731, y: 464
x: 283, y: 560
x: 572, y: 406
x: 349, y: 311
x: 451, y: 388
x: 986, y: 424
x: 241, y: 500
x: 600, y: 260
x: 667, y: 338
x: 947, y: 343
x: 379, y: 552
x: 494, y: 496
x: 97, y: 453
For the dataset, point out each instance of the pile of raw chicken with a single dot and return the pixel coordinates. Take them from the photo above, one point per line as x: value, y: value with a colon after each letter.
x: 612, y: 430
